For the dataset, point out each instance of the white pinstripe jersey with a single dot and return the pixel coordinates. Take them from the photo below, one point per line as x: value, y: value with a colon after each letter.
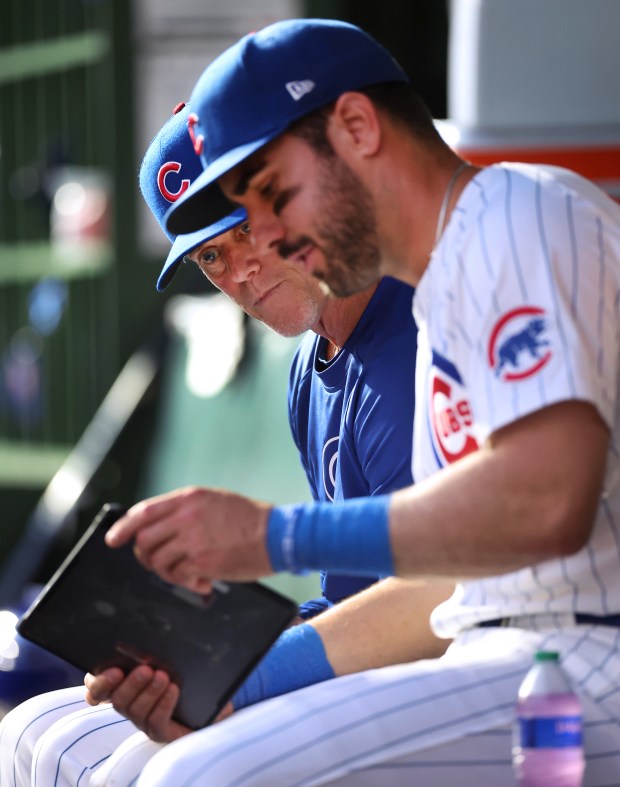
x: 517, y: 310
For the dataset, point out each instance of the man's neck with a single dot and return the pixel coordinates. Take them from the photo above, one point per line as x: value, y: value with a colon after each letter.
x: 409, y: 197
x: 340, y: 316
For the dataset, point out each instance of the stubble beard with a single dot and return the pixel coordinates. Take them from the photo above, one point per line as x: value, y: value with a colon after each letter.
x: 300, y: 312
x: 346, y: 231
x: 348, y: 234
x: 306, y: 315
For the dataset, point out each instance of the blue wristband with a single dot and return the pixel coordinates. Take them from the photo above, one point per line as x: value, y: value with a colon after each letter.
x: 351, y: 537
x: 297, y: 659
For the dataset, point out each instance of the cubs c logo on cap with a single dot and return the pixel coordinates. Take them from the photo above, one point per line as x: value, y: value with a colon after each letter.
x: 451, y: 417
x: 517, y: 347
x: 162, y: 175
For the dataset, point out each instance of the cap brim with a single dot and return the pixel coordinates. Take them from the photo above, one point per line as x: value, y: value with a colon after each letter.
x: 204, y: 202
x: 183, y: 244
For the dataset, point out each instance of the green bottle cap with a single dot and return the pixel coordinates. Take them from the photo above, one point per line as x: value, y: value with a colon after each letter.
x: 546, y: 655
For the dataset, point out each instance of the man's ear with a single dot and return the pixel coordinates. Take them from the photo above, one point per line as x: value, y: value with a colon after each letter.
x: 354, y: 126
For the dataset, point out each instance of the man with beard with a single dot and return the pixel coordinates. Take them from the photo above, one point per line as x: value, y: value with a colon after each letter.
x: 517, y: 494
x: 350, y: 409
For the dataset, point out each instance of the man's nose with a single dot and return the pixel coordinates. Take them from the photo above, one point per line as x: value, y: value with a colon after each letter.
x: 267, y: 229
x: 243, y: 262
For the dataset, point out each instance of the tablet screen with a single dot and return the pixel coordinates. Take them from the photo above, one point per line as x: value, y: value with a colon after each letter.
x: 102, y: 608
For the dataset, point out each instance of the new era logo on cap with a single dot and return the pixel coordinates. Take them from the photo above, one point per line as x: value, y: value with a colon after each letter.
x: 299, y: 89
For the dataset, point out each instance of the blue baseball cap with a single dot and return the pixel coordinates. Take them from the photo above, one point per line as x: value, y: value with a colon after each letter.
x: 257, y: 88
x: 169, y: 168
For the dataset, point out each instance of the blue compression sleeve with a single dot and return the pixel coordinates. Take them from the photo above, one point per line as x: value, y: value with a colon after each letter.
x: 297, y: 659
x: 351, y: 537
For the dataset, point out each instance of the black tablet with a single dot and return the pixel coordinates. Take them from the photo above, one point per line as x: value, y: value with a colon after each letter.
x: 102, y: 608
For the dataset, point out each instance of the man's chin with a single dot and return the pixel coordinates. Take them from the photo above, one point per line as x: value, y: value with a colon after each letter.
x: 340, y: 288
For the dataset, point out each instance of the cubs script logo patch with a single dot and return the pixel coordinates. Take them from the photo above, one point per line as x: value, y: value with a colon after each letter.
x: 518, y: 347
x: 451, y: 417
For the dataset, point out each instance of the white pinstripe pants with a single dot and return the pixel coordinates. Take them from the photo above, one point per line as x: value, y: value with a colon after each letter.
x: 58, y: 739
x: 441, y: 723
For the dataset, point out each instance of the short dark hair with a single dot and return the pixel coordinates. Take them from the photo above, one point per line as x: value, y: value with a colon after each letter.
x: 405, y: 106
x: 398, y: 99
x: 312, y: 128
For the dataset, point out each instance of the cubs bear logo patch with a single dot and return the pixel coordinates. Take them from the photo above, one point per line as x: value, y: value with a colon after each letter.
x: 518, y: 345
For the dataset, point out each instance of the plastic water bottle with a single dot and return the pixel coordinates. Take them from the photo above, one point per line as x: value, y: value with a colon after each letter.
x: 547, y: 746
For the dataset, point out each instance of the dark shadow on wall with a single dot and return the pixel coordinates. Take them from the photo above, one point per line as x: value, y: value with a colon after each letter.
x: 415, y: 31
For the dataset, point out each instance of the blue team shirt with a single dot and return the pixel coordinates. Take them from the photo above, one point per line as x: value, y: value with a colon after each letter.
x: 352, y: 417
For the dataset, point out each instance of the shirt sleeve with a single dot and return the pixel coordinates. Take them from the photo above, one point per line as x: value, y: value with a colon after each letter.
x: 539, y: 301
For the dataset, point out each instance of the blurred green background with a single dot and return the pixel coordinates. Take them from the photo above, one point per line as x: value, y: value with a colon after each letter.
x: 84, y: 84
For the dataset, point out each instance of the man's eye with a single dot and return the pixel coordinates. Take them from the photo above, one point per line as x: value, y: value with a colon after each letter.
x: 244, y: 229
x: 211, y: 262
x: 210, y: 256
